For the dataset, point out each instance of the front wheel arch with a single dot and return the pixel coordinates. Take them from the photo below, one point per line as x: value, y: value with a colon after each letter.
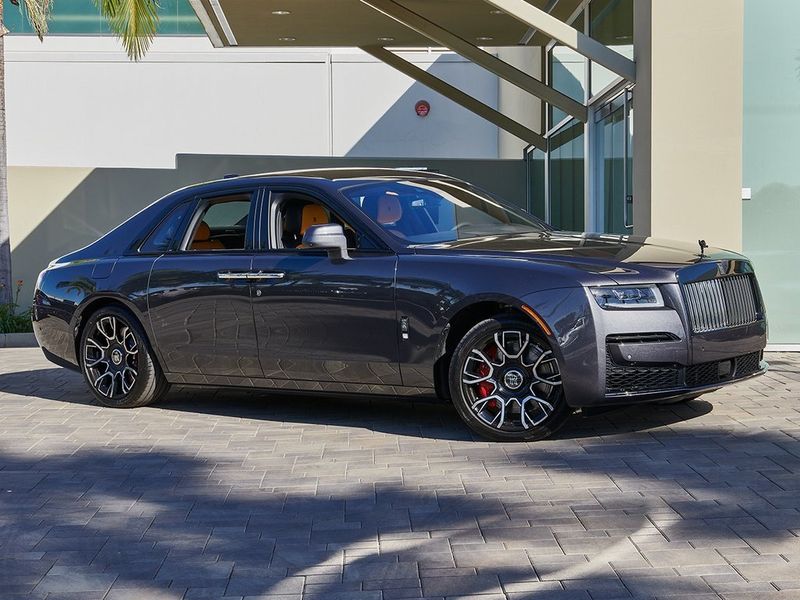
x: 461, y: 322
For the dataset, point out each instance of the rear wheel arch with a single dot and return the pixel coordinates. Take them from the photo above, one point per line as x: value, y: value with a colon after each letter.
x: 97, y: 303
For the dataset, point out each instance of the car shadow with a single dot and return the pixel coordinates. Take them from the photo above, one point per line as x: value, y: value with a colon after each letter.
x: 396, y: 416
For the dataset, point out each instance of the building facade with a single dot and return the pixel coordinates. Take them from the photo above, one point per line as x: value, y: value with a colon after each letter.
x: 698, y: 145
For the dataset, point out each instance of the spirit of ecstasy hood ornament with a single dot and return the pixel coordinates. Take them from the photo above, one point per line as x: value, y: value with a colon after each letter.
x: 703, y: 247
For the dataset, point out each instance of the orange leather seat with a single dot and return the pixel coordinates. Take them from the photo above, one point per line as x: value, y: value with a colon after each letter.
x: 202, y: 239
x: 313, y: 214
x: 390, y: 211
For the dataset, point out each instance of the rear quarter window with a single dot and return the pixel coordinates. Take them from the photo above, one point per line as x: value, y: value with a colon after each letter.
x: 164, y: 237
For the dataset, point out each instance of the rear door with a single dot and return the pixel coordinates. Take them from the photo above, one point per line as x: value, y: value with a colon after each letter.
x: 199, y: 293
x: 317, y: 318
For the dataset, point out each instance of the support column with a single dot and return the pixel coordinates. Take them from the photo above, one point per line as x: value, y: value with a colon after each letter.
x: 688, y: 120
x: 516, y: 103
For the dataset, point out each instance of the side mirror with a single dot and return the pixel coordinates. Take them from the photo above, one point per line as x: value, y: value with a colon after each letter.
x: 330, y: 237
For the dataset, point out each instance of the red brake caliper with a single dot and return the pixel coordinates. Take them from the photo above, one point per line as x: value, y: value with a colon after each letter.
x: 485, y: 388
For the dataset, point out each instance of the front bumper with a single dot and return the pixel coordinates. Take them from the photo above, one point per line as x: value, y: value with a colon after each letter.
x: 666, y: 381
x: 610, y: 357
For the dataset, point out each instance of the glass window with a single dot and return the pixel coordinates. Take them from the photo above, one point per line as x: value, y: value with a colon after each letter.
x: 176, y: 17
x: 610, y: 23
x: 222, y: 224
x: 567, y: 73
x: 164, y: 236
x: 770, y: 162
x: 435, y: 211
x: 567, y: 177
x: 568, y: 76
x: 296, y: 214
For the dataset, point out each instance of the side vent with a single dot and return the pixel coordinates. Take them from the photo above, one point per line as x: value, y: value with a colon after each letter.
x: 641, y: 338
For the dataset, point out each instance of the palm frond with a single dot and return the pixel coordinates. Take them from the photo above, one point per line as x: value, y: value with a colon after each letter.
x: 133, y: 21
x: 38, y: 12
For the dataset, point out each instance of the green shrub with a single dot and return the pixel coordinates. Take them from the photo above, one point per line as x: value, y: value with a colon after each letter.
x: 11, y: 319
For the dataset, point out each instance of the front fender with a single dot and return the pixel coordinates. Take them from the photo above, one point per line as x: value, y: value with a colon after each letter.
x: 568, y: 314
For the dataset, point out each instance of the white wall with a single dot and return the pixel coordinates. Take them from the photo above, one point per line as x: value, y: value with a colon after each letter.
x: 78, y: 102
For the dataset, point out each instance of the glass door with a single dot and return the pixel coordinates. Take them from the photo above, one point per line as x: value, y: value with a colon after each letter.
x: 613, y: 159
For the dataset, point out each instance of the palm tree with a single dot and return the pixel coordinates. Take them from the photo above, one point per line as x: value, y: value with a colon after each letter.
x: 133, y: 21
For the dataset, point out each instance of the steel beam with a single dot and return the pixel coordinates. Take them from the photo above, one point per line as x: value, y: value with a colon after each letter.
x: 567, y: 35
x: 478, y: 56
x: 457, y: 96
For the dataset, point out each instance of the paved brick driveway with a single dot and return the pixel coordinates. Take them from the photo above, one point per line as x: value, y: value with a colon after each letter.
x: 231, y: 495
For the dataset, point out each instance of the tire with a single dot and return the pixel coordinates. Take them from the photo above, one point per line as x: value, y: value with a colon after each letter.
x: 505, y: 382
x: 117, y: 361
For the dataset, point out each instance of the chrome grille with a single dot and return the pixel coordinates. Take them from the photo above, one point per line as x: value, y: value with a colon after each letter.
x: 721, y: 303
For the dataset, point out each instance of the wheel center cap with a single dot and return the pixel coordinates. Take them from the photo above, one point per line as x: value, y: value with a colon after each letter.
x: 513, y: 379
x: 116, y: 356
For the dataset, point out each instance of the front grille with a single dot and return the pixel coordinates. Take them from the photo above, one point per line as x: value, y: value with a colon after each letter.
x: 640, y: 379
x: 620, y: 378
x: 716, y: 371
x: 721, y: 303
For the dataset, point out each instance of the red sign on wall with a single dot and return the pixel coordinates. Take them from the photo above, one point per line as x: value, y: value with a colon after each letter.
x: 422, y: 108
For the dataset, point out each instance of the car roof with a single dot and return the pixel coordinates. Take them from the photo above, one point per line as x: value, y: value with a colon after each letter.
x: 337, y: 174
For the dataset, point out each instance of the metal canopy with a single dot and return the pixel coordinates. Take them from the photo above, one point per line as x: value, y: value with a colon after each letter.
x: 349, y: 23
x: 462, y: 26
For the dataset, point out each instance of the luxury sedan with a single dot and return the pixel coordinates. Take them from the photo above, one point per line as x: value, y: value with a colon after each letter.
x: 400, y: 283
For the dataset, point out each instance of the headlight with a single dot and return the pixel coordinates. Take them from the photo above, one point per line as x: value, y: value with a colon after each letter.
x: 626, y: 296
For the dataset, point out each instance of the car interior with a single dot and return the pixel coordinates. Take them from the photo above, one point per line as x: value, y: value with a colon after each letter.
x: 296, y: 213
x: 223, y: 224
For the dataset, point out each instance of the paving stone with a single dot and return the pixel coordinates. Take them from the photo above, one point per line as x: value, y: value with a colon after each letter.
x: 240, y: 494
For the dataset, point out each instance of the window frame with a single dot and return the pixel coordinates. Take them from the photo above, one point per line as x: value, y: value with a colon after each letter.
x: 187, y: 207
x: 203, y: 202
x: 268, y: 222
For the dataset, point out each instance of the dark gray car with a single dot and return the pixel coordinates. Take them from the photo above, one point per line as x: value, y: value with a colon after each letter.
x: 399, y: 283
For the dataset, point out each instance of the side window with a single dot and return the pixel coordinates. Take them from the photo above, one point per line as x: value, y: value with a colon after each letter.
x: 296, y: 214
x: 222, y: 224
x: 165, y: 235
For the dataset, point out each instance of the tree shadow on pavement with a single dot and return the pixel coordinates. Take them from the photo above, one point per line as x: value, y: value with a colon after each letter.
x: 329, y: 514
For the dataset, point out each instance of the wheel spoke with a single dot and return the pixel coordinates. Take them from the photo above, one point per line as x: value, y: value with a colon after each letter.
x: 128, y: 379
x: 103, y: 326
x: 92, y: 363
x: 545, y: 407
x: 472, y: 378
x: 547, y: 359
x: 510, y: 347
x: 107, y: 375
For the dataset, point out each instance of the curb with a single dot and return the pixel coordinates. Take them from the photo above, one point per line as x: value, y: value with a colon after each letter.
x: 18, y: 340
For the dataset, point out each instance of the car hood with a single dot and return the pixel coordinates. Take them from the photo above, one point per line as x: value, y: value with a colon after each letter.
x: 621, y: 258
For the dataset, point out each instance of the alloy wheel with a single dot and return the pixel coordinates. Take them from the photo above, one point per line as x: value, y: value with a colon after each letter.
x: 111, y: 357
x: 511, y: 381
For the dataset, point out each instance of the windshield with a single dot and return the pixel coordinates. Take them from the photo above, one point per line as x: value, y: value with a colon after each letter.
x: 435, y: 211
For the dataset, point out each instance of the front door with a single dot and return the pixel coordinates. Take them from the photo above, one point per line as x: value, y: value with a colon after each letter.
x: 319, y: 318
x: 199, y: 294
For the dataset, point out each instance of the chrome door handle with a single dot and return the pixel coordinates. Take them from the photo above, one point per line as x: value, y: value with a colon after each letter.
x: 228, y: 275
x: 270, y: 275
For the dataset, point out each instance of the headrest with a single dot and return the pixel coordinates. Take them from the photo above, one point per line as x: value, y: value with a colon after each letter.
x: 313, y: 214
x: 203, y: 233
x: 389, y: 209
